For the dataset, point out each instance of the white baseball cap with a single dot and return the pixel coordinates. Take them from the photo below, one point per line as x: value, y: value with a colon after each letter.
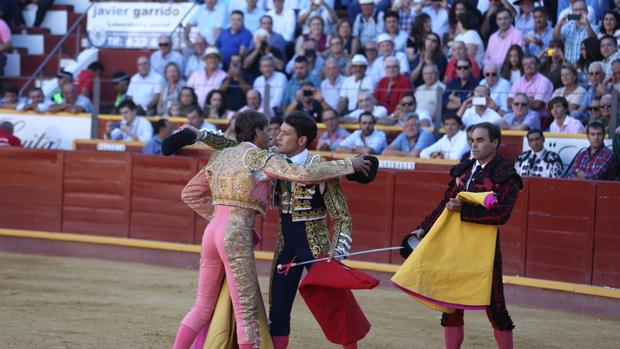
x: 359, y: 60
x: 384, y: 37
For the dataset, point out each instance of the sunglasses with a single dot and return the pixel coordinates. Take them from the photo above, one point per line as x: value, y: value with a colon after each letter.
x: 490, y: 74
x: 370, y: 49
x: 164, y: 44
x: 462, y: 67
x: 595, y: 108
x: 594, y: 73
x: 391, y: 66
x: 519, y: 104
x: 605, y: 106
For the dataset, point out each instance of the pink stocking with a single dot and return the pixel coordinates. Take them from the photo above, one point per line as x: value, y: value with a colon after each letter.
x: 280, y: 342
x: 350, y: 346
x: 503, y: 339
x: 453, y: 336
x: 199, y: 342
x: 185, y: 337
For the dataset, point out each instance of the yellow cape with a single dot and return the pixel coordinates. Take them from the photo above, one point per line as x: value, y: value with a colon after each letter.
x: 452, y: 267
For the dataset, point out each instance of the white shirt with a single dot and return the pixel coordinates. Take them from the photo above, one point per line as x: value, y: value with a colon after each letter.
x: 284, y: 23
x: 350, y: 88
x: 439, y: 20
x: 451, y: 148
x: 377, y: 70
x: 41, y: 106
x: 400, y: 41
x: 591, y: 14
x: 277, y: 83
x: 143, y: 89
x: 499, y: 92
x: 376, y: 140
x: 331, y: 92
x: 471, y: 117
x: 471, y: 37
x: 141, y: 127
x: 378, y: 111
x: 426, y: 97
x: 300, y: 158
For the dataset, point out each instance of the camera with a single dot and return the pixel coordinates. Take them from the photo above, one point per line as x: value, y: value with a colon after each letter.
x: 550, y: 52
x: 479, y: 101
x: 573, y: 17
x: 308, y: 93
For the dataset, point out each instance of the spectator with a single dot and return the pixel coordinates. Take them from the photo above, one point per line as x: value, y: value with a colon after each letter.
x: 343, y: 31
x: 369, y: 23
x: 524, y: 21
x: 194, y: 54
x: 7, y: 138
x: 571, y: 91
x: 370, y: 52
x: 71, y: 102
x: 5, y: 44
x: 428, y: 93
x: 460, y: 88
x: 131, y: 128
x: 489, y: 23
x: 500, y: 41
x: 216, y: 106
x: 386, y: 49
x: 538, y: 161
x: 420, y: 28
x: 262, y: 48
x: 9, y: 98
x: 165, y: 55
x: 537, y: 87
x: 406, y: 107
x: 62, y: 78
x: 210, y: 78
x: 399, y: 37
x: 469, y: 131
x: 573, y: 32
x: 512, y: 68
x: 438, y: 14
x: 161, y: 130
x: 610, y: 25
x: 196, y: 118
x: 36, y: 103
x: 337, y: 53
x: 452, y: 146
x: 366, y: 140
x: 412, y: 140
x: 595, y: 162
x: 234, y: 40
x: 606, y: 116
x: 366, y: 103
x: 570, y: 10
x: 393, y: 86
x: 597, y: 88
x: 552, y: 62
x: 120, y: 83
x: 301, y: 75
x: 274, y: 129
x: 334, y: 134
x: 283, y: 20
x: 332, y: 84
x: 172, y: 88
x: 307, y: 99
x: 458, y: 7
x: 316, y: 32
x: 145, y: 86
x: 609, y: 51
x: 253, y: 101
x: 210, y: 20
x: 476, y: 109
x: 187, y: 99
x: 595, y: 109
x: 498, y: 86
x: 352, y: 84
x: 466, y: 25
x: 459, y: 51
x: 314, y: 62
x: 538, y: 40
x: 521, y: 118
x: 405, y: 14
x: 430, y: 54
x: 252, y: 14
x: 276, y: 82
x: 590, y: 52
x: 613, y: 81
x: 85, y: 79
x: 175, y: 111
x: 237, y: 83
x: 562, y: 122
x: 230, y: 130
x: 275, y: 39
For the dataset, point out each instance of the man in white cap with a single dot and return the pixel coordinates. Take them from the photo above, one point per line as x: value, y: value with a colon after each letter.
x: 353, y: 84
x: 209, y: 78
x: 369, y: 23
x: 386, y: 49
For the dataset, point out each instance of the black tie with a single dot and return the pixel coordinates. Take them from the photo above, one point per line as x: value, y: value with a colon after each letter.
x: 532, y: 164
x: 288, y: 183
x: 473, y: 176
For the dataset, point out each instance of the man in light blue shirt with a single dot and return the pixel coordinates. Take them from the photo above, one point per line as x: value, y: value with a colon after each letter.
x: 366, y: 140
x: 161, y: 130
x: 412, y: 140
x: 210, y: 20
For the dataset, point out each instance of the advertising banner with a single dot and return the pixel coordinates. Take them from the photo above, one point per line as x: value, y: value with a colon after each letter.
x: 48, y: 131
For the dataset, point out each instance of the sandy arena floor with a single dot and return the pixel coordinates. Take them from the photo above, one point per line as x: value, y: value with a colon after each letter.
x: 53, y: 302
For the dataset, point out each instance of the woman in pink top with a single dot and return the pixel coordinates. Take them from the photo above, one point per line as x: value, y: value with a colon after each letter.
x: 562, y: 122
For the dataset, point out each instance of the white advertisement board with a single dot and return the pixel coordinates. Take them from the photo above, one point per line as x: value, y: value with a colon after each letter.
x: 135, y: 25
x: 48, y: 131
x: 566, y: 148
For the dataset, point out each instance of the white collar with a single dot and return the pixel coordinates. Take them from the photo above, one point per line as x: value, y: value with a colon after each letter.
x: 481, y: 165
x: 300, y: 158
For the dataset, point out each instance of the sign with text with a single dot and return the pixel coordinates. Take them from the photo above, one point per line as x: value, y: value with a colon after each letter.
x: 48, y: 131
x: 134, y: 25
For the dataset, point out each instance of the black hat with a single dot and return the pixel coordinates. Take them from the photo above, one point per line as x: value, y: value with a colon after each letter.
x: 372, y: 172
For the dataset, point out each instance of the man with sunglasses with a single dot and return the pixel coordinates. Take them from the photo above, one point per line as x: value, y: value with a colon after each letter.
x: 596, y: 77
x: 165, y: 55
x: 521, y: 118
x: 460, y: 88
x: 498, y: 86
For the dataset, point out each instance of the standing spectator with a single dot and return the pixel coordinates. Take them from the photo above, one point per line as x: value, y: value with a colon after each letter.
x: 194, y: 54
x: 392, y: 29
x: 500, y: 41
x: 86, y: 77
x: 386, y: 49
x: 262, y: 48
x: 538, y: 161
x: 476, y: 109
x: 524, y: 21
x: 301, y: 75
x: 36, y: 103
x: 161, y: 130
x: 412, y: 140
x: 307, y: 99
x: 427, y: 94
x: 512, y: 68
x: 366, y: 103
x: 498, y: 86
x: 210, y: 20
x: 571, y: 91
x: 234, y: 40
x: 236, y: 84
x: 71, y: 102
x: 352, y: 84
x: 7, y: 139
x: 538, y: 40
x: 369, y: 23
x: 467, y: 24
x: 131, y: 128
x: 452, y: 145
x: 521, y: 118
x: 366, y: 140
x: 437, y: 12
x: 535, y: 85
x: 196, y: 118
x: 595, y: 162
x: 460, y: 88
x: 216, y: 106
x: 145, y: 86
x: 165, y: 55
x: 283, y: 20
x: 573, y: 32
x: 334, y: 134
x: 393, y: 86
x: 320, y: 9
x: 276, y: 82
x: 209, y: 78
x: 431, y: 53
x: 172, y: 88
x: 275, y: 39
x: 564, y: 10
x: 5, y: 44
x: 332, y: 84
x: 459, y: 51
x: 120, y: 83
x: 562, y: 122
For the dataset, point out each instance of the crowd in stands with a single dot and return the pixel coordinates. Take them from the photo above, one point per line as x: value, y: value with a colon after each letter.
x: 522, y: 65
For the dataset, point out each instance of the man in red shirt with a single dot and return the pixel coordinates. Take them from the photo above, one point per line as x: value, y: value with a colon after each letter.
x: 6, y: 136
x: 393, y: 86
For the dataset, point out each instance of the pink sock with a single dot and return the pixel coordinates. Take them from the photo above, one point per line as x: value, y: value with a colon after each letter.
x: 280, y: 342
x: 453, y: 336
x: 503, y: 339
x: 199, y: 342
x: 350, y: 346
x: 185, y: 337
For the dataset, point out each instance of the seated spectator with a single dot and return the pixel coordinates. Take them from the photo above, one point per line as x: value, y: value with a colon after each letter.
x: 236, y: 84
x: 352, y: 84
x: 131, y: 128
x: 573, y: 32
x: 438, y: 12
x: 597, y: 88
x: 538, y: 40
x: 613, y: 81
x: 120, y: 82
x: 386, y: 50
x: 368, y: 23
x: 187, y: 100
x: 420, y: 28
x: 165, y: 54
x: 595, y: 162
x: 405, y: 107
x: 145, y: 87
x: 318, y: 9
x: 307, y: 99
x: 171, y: 89
x: 452, y: 146
x: 62, y: 78
x: 194, y: 53
x: 392, y: 28
x: 309, y: 51
x: 512, y: 68
x: 467, y: 25
x: 476, y: 109
x: 428, y: 94
x: 5, y: 44
x: 366, y: 140
x: 337, y: 53
x: 460, y: 88
x: 538, y: 161
x: 9, y: 98
x: 332, y: 84
x: 498, y: 86
x: 161, y: 130
x: 209, y: 78
x: 301, y: 75
x: 505, y: 36
x: 572, y: 92
x: 230, y: 130
x: 343, y: 31
x: 537, y: 87
x: 275, y: 80
x: 196, y: 118
x: 84, y: 81
x: 469, y: 131
x: 562, y: 121
x: 366, y: 103
x: 36, y: 103
x: 316, y: 33
x: 251, y: 63
x: 71, y: 102
x: 370, y: 52
x: 552, y: 61
x: 609, y: 51
x: 393, y: 86
x: 209, y: 19
x: 275, y: 39
x: 521, y: 118
x: 175, y: 111
x: 459, y: 51
x: 595, y: 110
x: 274, y: 129
x: 610, y: 25
x: 253, y: 101
x: 7, y: 139
x: 430, y: 53
x: 334, y: 134
x: 234, y: 40
x: 412, y: 140
x: 216, y: 106
x: 590, y: 53
x: 605, y: 115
